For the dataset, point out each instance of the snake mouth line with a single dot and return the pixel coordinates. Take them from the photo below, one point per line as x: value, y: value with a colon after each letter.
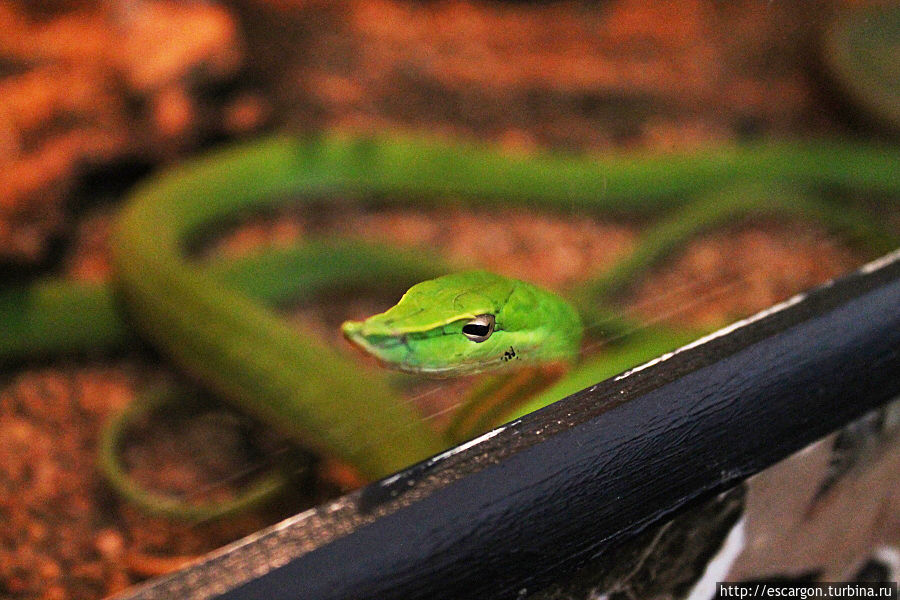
x: 396, y: 353
x: 352, y: 331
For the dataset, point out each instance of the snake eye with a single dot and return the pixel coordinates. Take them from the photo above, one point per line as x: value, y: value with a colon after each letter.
x: 480, y: 328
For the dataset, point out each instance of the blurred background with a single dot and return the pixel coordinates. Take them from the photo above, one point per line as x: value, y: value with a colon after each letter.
x: 96, y: 95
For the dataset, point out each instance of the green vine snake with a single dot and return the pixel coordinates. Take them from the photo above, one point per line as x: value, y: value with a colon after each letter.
x: 213, y: 319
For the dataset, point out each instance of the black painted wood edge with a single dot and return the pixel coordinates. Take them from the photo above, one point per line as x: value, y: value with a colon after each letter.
x: 511, y: 509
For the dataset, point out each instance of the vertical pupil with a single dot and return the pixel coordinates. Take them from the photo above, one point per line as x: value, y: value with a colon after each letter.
x: 476, y: 329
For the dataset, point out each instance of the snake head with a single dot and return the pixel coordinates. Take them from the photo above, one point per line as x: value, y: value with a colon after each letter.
x: 470, y: 322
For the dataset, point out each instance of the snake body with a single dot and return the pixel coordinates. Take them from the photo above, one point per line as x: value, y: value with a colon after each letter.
x: 210, y: 319
x: 293, y: 381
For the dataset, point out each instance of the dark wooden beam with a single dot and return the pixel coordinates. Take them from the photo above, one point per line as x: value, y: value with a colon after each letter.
x: 522, y: 504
